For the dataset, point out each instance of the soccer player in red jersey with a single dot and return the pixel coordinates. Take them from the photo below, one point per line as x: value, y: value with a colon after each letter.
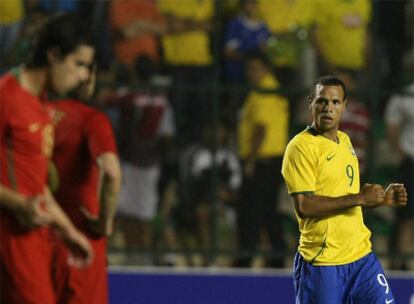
x: 89, y: 174
x: 58, y: 61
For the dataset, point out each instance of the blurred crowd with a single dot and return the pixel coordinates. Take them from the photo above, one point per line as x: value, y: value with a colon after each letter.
x: 203, y: 97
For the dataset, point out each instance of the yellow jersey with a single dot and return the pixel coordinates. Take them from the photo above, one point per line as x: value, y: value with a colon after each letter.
x: 11, y: 11
x: 291, y: 14
x: 191, y: 47
x: 315, y: 164
x: 341, y: 33
x: 285, y: 48
x: 270, y: 110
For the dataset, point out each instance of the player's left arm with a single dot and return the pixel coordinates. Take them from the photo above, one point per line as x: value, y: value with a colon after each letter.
x: 395, y: 195
x: 108, y: 188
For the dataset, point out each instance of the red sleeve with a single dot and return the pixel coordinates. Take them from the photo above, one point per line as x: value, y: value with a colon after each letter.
x: 100, y: 136
x: 4, y: 109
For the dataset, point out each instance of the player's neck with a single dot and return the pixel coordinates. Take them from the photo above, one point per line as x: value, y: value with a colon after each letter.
x: 33, y: 80
x: 331, y: 134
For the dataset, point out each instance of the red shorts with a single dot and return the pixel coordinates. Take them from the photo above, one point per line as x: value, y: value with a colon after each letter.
x: 25, y: 264
x: 87, y: 285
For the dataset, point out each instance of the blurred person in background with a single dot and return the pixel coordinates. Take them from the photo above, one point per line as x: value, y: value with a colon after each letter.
x: 394, y: 38
x: 12, y: 15
x: 342, y: 36
x: 263, y: 135
x: 213, y: 156
x: 57, y: 6
x: 356, y: 120
x: 165, y: 234
x: 89, y: 179
x: 146, y: 128
x: 102, y: 35
x: 136, y: 27
x: 399, y: 118
x: 245, y: 33
x: 82, y: 8
x: 334, y: 262
x: 289, y: 23
x: 187, y: 58
x: 58, y: 60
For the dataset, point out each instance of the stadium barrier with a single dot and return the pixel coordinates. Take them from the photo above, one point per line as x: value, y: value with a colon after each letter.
x: 151, y: 285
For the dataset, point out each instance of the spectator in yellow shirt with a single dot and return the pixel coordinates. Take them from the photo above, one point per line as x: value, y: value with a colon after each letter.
x: 263, y: 135
x: 342, y: 35
x: 187, y: 55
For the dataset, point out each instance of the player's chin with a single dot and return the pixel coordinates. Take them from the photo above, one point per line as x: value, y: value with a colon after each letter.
x: 326, y: 125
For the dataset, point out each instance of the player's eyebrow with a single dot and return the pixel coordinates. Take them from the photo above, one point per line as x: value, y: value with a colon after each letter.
x: 83, y: 63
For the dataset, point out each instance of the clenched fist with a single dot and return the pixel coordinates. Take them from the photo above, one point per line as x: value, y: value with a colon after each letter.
x: 395, y: 196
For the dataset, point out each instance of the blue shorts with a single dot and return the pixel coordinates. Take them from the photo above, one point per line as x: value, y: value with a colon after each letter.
x: 362, y: 281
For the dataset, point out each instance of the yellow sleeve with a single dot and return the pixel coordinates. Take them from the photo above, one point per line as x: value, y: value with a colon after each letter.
x: 298, y: 168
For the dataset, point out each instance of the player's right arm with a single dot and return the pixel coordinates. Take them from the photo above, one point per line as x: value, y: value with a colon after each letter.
x: 299, y: 171
x: 313, y: 206
x: 28, y: 211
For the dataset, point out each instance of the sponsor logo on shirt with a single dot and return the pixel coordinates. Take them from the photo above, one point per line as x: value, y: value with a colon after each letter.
x: 56, y: 116
x: 330, y: 157
x: 34, y: 127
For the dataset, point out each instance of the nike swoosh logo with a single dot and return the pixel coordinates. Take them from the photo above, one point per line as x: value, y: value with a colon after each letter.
x: 389, y: 301
x: 329, y: 158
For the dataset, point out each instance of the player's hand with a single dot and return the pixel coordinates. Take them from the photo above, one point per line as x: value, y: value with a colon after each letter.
x: 34, y: 213
x: 81, y: 253
x: 97, y: 225
x: 395, y: 195
x: 372, y: 195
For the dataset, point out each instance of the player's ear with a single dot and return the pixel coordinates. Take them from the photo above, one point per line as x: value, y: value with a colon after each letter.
x: 53, y: 55
x: 309, y: 103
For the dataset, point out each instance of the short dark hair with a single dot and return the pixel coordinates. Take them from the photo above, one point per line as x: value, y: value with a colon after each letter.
x: 327, y: 80
x: 63, y: 31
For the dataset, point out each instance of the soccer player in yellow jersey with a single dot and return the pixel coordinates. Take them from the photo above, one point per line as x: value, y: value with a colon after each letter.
x: 334, y: 263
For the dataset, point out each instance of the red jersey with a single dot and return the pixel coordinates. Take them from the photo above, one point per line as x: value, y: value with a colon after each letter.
x: 26, y: 136
x: 82, y: 134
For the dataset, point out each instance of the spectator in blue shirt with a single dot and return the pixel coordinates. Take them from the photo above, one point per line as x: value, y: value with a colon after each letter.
x: 245, y: 33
